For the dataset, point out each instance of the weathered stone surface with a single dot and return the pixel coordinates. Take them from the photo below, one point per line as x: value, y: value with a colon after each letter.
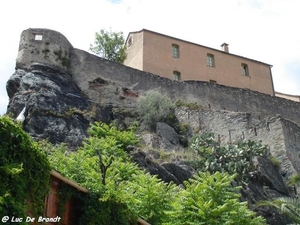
x: 169, y: 138
x: 153, y: 168
x: 255, y: 192
x: 279, y: 134
x: 54, y: 104
x: 86, y: 68
x: 51, y: 48
x: 266, y: 183
x: 165, y: 138
x: 268, y: 174
x: 181, y: 172
x: 150, y: 140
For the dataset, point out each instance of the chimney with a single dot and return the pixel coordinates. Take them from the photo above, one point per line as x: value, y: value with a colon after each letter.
x: 225, y: 47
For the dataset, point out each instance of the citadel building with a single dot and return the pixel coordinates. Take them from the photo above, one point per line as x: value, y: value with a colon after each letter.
x: 177, y: 59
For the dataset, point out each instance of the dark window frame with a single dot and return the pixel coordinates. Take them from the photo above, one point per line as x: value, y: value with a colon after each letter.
x: 210, y: 60
x: 175, y: 51
x: 176, y: 75
x: 245, y: 69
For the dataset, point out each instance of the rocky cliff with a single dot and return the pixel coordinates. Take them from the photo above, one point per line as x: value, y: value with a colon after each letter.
x: 65, y: 89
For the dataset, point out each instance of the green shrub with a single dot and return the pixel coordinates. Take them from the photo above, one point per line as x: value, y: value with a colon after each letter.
x: 274, y: 160
x: 294, y: 180
x: 189, y: 105
x: 154, y: 107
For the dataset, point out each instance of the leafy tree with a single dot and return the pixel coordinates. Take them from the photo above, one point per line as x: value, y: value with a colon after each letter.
x: 122, y: 138
x: 24, y: 169
x: 210, y: 199
x: 153, y: 107
x: 129, y: 192
x: 231, y: 158
x: 152, y: 198
x: 100, y: 152
x: 109, y: 45
x: 108, y: 143
x: 103, y: 167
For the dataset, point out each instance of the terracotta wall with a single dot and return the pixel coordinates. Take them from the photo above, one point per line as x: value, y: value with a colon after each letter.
x: 157, y: 58
x: 135, y: 51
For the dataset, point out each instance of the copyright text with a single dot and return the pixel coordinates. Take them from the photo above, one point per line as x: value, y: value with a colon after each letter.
x: 40, y: 219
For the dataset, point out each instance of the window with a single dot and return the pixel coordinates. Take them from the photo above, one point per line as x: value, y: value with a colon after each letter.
x: 176, y: 75
x: 210, y: 60
x: 245, y: 70
x: 38, y: 37
x: 175, y: 50
x: 129, y: 41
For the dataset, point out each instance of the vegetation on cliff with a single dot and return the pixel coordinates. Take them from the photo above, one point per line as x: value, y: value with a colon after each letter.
x: 24, y: 172
x: 123, y: 192
x: 154, y: 107
x: 232, y: 158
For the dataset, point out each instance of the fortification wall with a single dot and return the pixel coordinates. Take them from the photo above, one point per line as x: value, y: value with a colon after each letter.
x: 86, y: 68
x: 281, y: 136
x: 43, y: 46
x: 52, y: 48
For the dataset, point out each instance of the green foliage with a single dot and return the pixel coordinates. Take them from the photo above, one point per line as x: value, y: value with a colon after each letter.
x: 152, y: 198
x: 294, y: 180
x: 24, y: 169
x: 153, y: 107
x: 110, y: 212
x: 65, y: 193
x: 75, y: 165
x: 285, y: 205
x: 274, y: 160
x: 189, y: 105
x: 210, y: 199
x: 103, y: 167
x: 230, y: 158
x: 129, y: 192
x: 109, y: 45
x: 123, y: 138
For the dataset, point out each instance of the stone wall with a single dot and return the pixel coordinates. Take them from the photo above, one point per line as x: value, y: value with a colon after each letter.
x: 231, y: 113
x: 282, y: 136
x: 116, y: 79
x: 86, y: 68
x: 43, y: 46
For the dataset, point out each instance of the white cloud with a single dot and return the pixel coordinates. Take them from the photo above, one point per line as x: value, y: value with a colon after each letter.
x: 265, y: 30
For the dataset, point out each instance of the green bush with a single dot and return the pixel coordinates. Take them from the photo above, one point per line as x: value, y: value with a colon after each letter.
x: 153, y: 107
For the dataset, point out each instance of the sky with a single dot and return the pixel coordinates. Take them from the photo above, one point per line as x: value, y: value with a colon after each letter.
x: 264, y: 30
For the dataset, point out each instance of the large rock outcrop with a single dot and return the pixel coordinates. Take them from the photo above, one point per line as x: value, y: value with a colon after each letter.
x: 65, y: 89
x: 55, y: 106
